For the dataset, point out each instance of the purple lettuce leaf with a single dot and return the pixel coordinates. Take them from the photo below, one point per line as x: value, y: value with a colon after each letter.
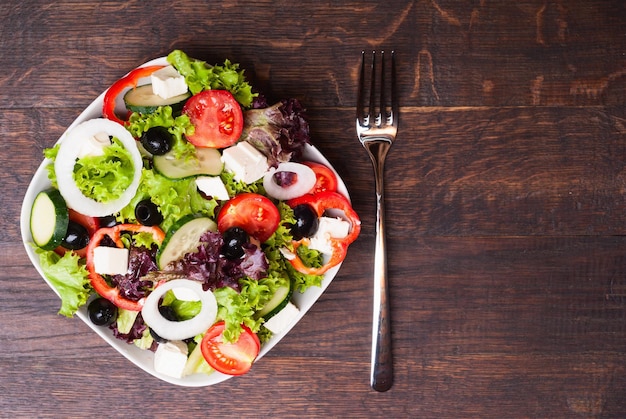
x: 280, y: 131
x: 209, y: 266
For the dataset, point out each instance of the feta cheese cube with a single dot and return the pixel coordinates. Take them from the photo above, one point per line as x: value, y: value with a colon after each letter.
x: 246, y: 162
x: 94, y: 146
x: 283, y: 318
x: 185, y: 294
x: 168, y: 82
x: 328, y: 228
x: 212, y: 186
x: 287, y: 254
x: 170, y: 358
x: 110, y: 260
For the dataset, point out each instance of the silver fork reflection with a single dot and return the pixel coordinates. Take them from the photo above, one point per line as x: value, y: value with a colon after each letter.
x: 376, y: 127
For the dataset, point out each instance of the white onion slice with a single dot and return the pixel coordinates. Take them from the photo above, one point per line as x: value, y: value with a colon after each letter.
x: 66, y: 159
x: 172, y: 330
x: 305, y: 180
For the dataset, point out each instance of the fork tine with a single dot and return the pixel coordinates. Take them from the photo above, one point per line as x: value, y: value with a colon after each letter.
x: 372, y: 107
x: 361, y: 89
x: 382, y: 110
x: 395, y: 106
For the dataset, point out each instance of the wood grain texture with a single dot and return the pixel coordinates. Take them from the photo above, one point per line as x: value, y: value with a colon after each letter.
x: 505, y: 205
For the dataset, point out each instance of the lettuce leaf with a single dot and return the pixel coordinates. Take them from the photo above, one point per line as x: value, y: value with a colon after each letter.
x: 237, y: 308
x: 282, y: 238
x: 68, y: 276
x: 280, y: 131
x: 201, y: 76
x: 106, y: 177
x: 175, y: 199
x: 177, y: 126
x: 51, y: 153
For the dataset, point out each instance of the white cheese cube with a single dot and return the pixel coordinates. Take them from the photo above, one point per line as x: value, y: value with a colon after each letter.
x: 328, y: 228
x: 170, y: 358
x: 110, y: 260
x: 287, y: 254
x: 168, y: 82
x: 212, y: 186
x: 282, y: 319
x: 246, y: 162
x: 185, y: 294
x: 94, y: 146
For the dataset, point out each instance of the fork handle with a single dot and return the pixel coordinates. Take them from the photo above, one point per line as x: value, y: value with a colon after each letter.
x: 381, y: 377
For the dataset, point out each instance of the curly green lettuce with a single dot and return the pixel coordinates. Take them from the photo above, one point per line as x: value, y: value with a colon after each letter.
x: 68, y: 276
x: 282, y: 238
x: 237, y: 308
x: 201, y: 76
x: 178, y: 126
x: 175, y: 198
x: 106, y: 177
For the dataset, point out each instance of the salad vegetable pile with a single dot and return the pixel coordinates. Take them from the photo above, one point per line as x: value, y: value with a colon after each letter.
x: 186, y: 222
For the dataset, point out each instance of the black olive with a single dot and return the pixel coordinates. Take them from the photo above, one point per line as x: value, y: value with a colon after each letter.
x: 234, y: 239
x: 102, y: 312
x: 157, y: 141
x: 147, y: 213
x: 156, y: 337
x: 306, y: 222
x: 108, y: 221
x: 168, y: 312
x: 76, y: 237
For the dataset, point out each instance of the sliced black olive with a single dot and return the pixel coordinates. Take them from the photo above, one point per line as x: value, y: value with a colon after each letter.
x: 147, y: 213
x: 234, y: 239
x: 168, y: 312
x: 108, y: 221
x: 77, y: 236
x: 307, y: 222
x: 102, y: 312
x: 157, y: 141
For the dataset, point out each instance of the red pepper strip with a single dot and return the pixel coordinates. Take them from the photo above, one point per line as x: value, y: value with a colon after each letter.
x: 129, y: 80
x: 321, y: 202
x: 339, y: 253
x: 98, y: 283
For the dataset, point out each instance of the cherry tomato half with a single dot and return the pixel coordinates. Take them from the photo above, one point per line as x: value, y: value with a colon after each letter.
x: 326, y: 180
x: 217, y: 118
x: 254, y: 213
x: 230, y: 358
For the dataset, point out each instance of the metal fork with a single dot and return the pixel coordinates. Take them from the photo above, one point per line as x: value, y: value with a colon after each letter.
x: 376, y: 128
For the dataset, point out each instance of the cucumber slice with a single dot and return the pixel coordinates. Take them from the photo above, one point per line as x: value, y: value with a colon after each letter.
x: 281, y: 297
x: 183, y: 237
x: 141, y: 99
x: 209, y: 162
x: 49, y: 218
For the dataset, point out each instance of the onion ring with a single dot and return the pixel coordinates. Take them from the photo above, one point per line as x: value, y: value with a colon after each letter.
x: 172, y: 330
x: 305, y: 180
x: 66, y: 159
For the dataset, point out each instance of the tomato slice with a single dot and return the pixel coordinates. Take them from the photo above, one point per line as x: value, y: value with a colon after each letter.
x: 217, y: 118
x: 230, y: 358
x: 326, y: 178
x: 255, y: 214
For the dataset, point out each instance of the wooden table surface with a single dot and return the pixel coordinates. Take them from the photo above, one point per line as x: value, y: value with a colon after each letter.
x: 505, y: 204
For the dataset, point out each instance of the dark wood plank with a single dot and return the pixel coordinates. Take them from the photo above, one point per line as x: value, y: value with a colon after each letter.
x: 505, y: 205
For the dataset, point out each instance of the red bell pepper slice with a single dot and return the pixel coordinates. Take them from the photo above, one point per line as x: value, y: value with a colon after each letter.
x: 98, y: 283
x: 321, y: 202
x: 129, y: 80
